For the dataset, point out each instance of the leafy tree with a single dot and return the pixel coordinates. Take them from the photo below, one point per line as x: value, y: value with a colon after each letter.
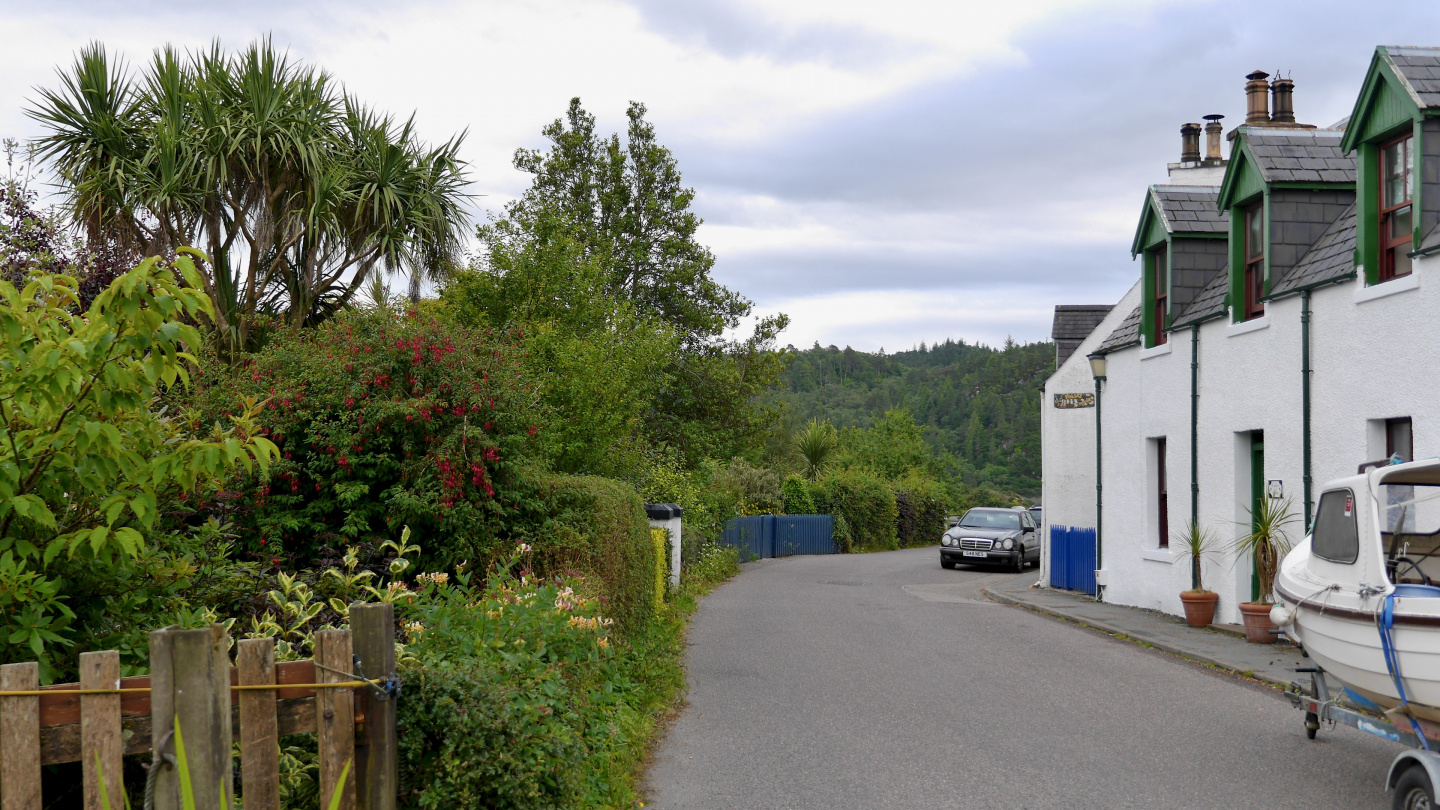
x: 627, y: 206
x: 88, y: 465
x: 297, y: 191
x: 817, y: 444
x: 797, y: 497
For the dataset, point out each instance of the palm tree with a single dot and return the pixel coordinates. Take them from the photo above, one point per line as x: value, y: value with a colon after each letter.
x: 817, y: 443
x: 297, y: 192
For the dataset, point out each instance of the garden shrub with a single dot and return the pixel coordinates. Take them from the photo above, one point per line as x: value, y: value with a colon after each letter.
x: 661, y: 540
x: 819, y: 496
x: 920, y: 506
x: 597, y: 528
x: 756, y: 490
x: 868, y: 505
x: 844, y: 540
x: 797, y: 497
x: 385, y: 420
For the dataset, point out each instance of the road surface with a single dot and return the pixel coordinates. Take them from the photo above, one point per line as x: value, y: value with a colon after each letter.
x: 884, y: 681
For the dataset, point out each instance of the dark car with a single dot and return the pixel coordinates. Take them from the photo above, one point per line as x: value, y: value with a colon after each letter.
x: 992, y: 536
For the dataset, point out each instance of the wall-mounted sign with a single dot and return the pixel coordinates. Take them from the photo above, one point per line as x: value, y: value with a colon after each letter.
x: 1086, y: 400
x: 1275, y: 488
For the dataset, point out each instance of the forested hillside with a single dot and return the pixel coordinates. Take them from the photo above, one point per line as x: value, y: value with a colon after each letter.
x: 980, y: 405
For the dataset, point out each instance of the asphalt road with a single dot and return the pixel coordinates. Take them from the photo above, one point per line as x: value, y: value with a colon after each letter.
x: 884, y: 681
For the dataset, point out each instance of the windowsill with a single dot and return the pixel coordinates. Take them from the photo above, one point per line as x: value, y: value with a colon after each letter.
x: 1402, y: 284
x: 1163, y: 555
x: 1246, y: 327
x: 1155, y: 351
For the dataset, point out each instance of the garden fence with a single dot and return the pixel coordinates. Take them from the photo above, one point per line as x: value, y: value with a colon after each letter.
x: 344, y: 695
x: 1072, y: 558
x: 764, y: 536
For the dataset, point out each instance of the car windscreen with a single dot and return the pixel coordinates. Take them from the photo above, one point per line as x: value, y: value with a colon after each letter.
x: 990, y: 520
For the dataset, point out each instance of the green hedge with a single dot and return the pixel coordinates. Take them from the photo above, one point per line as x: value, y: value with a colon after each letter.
x: 797, y: 497
x: 868, y: 505
x: 597, y: 528
x: 920, y: 506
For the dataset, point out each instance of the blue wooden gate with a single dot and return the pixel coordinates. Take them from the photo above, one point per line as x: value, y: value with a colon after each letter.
x: 1072, y: 559
x: 765, y: 536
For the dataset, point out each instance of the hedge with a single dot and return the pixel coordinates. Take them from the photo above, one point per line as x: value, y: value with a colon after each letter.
x: 868, y: 505
x: 797, y: 497
x: 920, y: 512
x: 597, y: 527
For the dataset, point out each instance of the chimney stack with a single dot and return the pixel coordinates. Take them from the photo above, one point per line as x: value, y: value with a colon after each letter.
x: 1257, y: 97
x: 1283, y: 91
x: 1189, y: 143
x: 1213, y: 131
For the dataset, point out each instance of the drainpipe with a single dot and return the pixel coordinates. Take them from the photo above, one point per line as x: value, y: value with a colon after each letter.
x: 1195, y: 440
x: 1305, y: 396
x: 1099, y: 493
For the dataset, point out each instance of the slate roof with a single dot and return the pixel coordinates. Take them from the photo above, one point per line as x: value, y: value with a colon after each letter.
x: 1209, y: 303
x: 1332, y: 257
x: 1420, y: 69
x: 1300, y: 155
x: 1077, y: 321
x: 1191, y: 209
x: 1126, y: 334
x: 1074, y: 323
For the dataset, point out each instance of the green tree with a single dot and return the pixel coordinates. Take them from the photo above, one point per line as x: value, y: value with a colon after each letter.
x: 297, y: 191
x: 817, y: 444
x: 88, y: 463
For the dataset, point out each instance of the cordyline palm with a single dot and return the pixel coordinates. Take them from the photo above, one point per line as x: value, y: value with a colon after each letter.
x: 297, y: 192
x: 817, y: 443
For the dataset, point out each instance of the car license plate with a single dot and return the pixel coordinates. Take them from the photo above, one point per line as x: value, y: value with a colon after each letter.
x: 972, y: 554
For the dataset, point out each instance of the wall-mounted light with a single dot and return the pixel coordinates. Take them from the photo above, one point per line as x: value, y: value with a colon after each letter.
x: 1097, y: 365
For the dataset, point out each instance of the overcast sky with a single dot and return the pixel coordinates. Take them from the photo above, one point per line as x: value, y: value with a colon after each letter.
x: 885, y: 173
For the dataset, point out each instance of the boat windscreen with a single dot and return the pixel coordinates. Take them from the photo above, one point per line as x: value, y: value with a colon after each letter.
x: 1410, y: 525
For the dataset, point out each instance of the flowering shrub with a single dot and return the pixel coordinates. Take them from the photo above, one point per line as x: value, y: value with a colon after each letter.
x: 385, y: 420
x: 510, y: 684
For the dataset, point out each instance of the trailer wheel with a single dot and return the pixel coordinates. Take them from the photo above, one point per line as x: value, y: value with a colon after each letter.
x: 1413, y: 790
x: 1312, y: 724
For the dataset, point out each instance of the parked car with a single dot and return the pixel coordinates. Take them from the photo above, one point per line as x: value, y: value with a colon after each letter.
x: 1035, y: 512
x: 992, y: 536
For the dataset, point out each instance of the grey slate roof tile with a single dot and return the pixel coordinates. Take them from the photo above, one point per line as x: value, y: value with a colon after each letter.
x: 1331, y: 257
x: 1300, y: 155
x: 1190, y: 209
x: 1420, y: 69
x: 1077, y: 321
x: 1126, y: 334
x: 1209, y: 303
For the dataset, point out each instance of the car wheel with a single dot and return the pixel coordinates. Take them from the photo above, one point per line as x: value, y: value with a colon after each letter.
x: 1413, y: 790
x: 1020, y: 560
x: 948, y: 565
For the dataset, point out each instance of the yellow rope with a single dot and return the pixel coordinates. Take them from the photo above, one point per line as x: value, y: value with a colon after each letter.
x: 238, y: 688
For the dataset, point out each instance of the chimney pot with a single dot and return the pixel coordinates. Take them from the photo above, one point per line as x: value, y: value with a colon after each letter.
x: 1189, y: 143
x: 1257, y: 98
x: 1283, y: 91
x: 1213, y: 129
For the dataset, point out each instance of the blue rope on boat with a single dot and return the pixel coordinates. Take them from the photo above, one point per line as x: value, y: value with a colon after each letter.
x: 1392, y: 662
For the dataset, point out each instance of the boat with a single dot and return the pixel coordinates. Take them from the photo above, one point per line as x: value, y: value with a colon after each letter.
x: 1361, y: 593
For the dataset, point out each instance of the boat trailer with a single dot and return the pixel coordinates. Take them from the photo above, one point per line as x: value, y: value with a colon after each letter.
x: 1413, y: 774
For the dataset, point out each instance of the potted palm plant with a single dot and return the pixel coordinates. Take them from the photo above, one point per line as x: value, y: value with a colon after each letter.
x: 1266, y: 544
x: 1199, y: 602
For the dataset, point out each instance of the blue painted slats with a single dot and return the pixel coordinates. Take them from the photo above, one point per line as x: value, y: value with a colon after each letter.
x: 764, y: 536
x: 1072, y: 558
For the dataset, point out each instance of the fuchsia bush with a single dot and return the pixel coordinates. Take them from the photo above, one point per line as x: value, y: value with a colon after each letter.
x: 385, y: 420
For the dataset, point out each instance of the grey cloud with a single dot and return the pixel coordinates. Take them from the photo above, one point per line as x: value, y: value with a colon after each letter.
x: 735, y: 30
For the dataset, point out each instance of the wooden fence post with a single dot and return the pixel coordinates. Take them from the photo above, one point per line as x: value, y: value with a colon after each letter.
x: 20, y: 738
x: 377, y: 764
x: 335, y: 717
x: 100, y: 748
x: 259, y: 733
x: 190, y: 686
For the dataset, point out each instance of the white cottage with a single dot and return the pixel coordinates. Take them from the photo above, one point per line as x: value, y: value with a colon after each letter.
x: 1281, y: 333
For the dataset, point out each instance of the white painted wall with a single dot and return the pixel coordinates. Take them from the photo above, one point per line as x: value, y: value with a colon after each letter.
x: 1067, y: 437
x: 1374, y: 357
x: 671, y: 528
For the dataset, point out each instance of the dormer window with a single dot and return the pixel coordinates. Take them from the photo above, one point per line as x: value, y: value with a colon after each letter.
x: 1254, y: 262
x: 1158, y: 273
x: 1395, y: 209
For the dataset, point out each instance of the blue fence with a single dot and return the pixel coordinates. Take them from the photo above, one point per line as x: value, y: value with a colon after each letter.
x: 765, y: 536
x: 1072, y: 559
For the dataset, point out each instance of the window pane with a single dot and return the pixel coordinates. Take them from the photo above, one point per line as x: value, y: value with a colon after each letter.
x: 1396, y: 163
x: 1400, y: 260
x: 1400, y: 222
x: 1254, y: 238
x: 1336, y: 538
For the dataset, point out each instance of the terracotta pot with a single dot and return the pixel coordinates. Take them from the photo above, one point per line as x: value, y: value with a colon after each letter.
x: 1257, y: 622
x: 1199, y: 607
